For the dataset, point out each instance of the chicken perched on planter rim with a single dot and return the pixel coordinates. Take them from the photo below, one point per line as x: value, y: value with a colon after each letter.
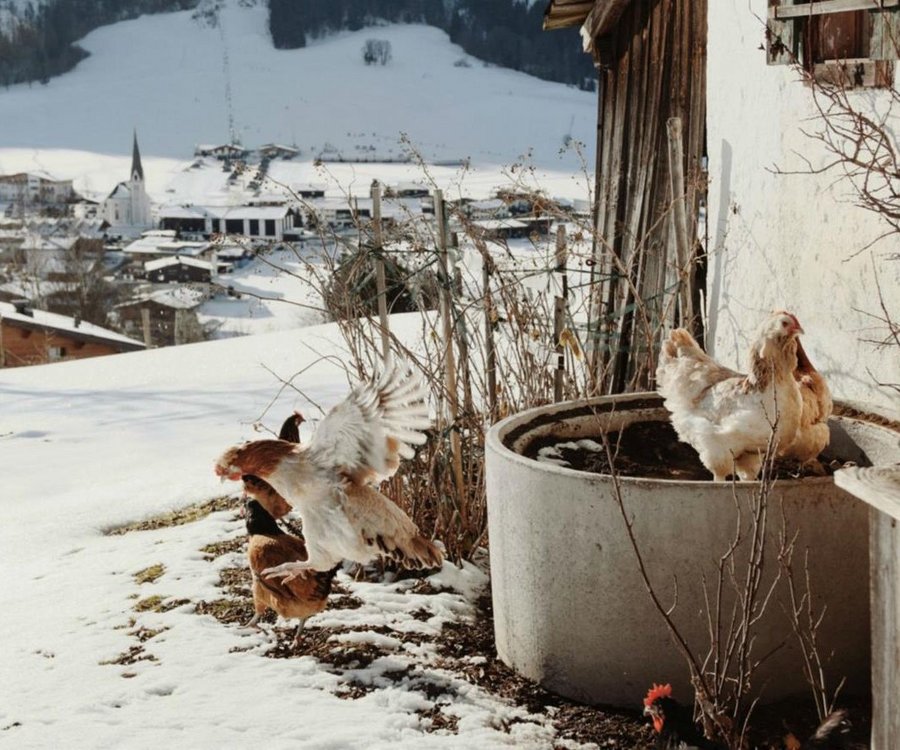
x: 726, y: 416
x: 330, y: 481
x: 813, y: 434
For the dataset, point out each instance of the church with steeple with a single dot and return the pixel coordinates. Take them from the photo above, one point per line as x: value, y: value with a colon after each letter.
x: 127, y: 208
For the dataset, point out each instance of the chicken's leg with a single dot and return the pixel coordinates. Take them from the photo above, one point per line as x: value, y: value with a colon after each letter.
x: 298, y: 632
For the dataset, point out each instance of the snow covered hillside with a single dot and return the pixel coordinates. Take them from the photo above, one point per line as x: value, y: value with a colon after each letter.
x: 118, y: 641
x: 172, y: 77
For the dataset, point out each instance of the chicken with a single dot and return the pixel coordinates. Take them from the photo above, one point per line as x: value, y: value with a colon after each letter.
x: 812, y: 435
x: 674, y: 723
x: 832, y: 734
x: 306, y: 595
x: 275, y: 505
x: 726, y: 416
x: 330, y: 481
x: 290, y: 428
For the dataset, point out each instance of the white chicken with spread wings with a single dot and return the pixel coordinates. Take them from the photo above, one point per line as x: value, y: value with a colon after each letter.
x: 330, y: 482
x: 729, y: 417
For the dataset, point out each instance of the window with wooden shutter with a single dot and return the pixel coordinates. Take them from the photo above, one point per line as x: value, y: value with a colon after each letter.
x: 842, y: 42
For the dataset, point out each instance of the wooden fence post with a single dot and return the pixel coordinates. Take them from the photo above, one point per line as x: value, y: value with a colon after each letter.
x: 559, y: 313
x: 446, y: 284
x: 380, y: 283
x: 683, y: 244
x: 487, y: 269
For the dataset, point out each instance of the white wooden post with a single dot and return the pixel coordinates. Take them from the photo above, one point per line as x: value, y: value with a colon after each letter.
x: 879, y: 487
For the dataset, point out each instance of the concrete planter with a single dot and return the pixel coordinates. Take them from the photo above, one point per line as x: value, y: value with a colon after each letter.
x: 570, y: 609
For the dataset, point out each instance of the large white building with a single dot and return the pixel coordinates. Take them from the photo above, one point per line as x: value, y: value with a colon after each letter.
x: 34, y: 189
x: 127, y: 208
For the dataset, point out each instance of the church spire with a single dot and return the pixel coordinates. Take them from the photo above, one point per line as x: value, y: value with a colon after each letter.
x: 137, y: 171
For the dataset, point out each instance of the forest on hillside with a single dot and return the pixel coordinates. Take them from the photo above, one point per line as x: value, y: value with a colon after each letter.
x: 38, y: 40
x: 503, y: 32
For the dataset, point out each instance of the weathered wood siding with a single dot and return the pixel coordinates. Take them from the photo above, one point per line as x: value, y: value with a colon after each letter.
x: 652, y: 67
x: 22, y: 346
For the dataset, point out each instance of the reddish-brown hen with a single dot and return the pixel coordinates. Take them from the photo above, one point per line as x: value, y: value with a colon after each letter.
x: 330, y: 481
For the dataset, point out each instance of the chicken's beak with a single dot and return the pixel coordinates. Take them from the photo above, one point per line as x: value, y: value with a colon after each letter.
x: 657, y: 718
x: 229, y: 472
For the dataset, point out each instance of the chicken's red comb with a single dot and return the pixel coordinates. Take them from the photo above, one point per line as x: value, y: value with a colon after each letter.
x: 656, y: 692
x: 790, y: 315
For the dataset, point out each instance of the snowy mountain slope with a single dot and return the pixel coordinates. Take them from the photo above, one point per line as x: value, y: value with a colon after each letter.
x: 167, y: 75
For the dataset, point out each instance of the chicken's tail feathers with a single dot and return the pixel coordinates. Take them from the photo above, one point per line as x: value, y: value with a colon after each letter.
x: 681, y: 343
x: 834, y: 723
x: 415, y: 553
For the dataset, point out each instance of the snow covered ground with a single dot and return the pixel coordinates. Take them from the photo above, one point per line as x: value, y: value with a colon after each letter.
x: 277, y: 293
x: 92, y: 444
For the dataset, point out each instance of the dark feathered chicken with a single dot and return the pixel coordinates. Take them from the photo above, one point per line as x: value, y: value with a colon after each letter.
x: 674, y: 723
x: 260, y: 490
x: 301, y: 597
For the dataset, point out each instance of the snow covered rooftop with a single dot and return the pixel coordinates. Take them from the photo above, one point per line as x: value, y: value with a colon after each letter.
x: 491, y: 224
x: 177, y: 260
x: 178, y: 297
x: 163, y: 244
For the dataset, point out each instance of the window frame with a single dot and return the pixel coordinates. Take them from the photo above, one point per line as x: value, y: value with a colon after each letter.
x: 791, y: 37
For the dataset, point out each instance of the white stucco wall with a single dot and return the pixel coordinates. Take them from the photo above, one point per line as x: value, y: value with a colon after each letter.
x: 789, y: 242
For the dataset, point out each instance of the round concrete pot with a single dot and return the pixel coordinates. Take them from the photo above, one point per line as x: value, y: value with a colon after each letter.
x: 570, y: 608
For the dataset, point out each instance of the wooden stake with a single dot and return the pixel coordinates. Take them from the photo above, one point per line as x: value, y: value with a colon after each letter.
x: 487, y: 268
x: 679, y: 220
x: 449, y: 360
x: 559, y: 313
x: 380, y: 283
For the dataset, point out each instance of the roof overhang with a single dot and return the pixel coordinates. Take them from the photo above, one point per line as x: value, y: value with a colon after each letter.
x: 596, y: 16
x: 563, y: 14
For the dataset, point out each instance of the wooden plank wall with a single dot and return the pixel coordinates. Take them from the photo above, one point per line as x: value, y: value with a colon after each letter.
x: 652, y: 67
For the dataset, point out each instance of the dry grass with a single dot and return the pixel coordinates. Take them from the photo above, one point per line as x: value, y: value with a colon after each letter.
x: 149, y: 575
x: 217, y: 549
x: 158, y: 603
x: 178, y: 517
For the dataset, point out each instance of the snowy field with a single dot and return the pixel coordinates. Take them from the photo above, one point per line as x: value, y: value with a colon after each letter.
x: 96, y: 443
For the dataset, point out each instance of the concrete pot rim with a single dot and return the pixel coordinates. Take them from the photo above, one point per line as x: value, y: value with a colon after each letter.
x: 494, y: 440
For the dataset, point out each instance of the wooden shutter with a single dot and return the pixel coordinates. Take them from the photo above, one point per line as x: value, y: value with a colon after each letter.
x: 782, y: 39
x: 884, y: 39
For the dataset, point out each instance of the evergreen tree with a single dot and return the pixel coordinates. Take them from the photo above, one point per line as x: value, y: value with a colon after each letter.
x: 285, y: 25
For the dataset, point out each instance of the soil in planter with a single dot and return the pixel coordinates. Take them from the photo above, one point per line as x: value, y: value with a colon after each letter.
x: 651, y: 450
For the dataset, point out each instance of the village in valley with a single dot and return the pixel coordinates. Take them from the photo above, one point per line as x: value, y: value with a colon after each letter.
x: 161, y: 274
